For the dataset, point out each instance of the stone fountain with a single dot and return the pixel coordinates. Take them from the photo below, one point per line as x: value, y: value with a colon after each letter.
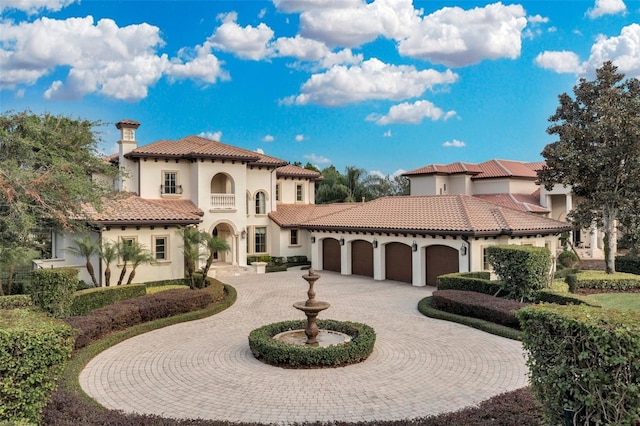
x: 312, y: 335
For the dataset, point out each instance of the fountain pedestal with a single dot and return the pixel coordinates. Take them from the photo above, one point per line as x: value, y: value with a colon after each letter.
x: 311, y: 308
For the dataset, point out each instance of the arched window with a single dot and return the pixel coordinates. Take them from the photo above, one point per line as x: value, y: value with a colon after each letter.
x: 261, y: 207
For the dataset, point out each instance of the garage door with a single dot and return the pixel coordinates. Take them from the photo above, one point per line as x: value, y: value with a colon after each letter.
x: 397, y: 262
x: 331, y: 255
x: 362, y: 258
x: 441, y: 260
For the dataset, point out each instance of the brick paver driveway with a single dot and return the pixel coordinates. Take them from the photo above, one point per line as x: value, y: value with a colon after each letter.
x: 204, y: 369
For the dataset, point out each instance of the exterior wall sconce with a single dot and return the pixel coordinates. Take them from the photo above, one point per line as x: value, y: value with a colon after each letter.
x: 341, y: 241
x: 243, y: 234
x: 414, y: 246
x: 375, y: 243
x: 313, y: 239
x: 463, y: 250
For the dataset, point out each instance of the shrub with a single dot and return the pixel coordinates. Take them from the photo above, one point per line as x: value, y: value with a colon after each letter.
x: 52, y: 290
x: 33, y: 351
x: 478, y: 305
x: 601, y: 280
x: 15, y: 301
x: 297, y: 260
x: 162, y: 283
x: 273, y: 352
x: 630, y: 264
x: 469, y: 281
x: 560, y: 298
x: 85, y: 301
x: 586, y: 360
x: 568, y: 259
x: 522, y: 269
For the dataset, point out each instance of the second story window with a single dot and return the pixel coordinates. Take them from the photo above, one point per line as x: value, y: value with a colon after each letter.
x: 170, y: 183
x: 260, y: 240
x: 299, y: 192
x: 260, y: 203
x: 278, y: 192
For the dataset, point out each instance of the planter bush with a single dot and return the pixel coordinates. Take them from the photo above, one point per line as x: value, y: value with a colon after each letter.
x: 469, y: 281
x: 15, y: 301
x: 52, y: 290
x: 630, y: 264
x: 85, y: 301
x: 601, y: 280
x: 270, y: 351
x: 586, y: 360
x: 523, y: 270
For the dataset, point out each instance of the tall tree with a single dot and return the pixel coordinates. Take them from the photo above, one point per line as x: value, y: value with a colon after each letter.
x: 86, y: 248
x: 138, y: 255
x: 212, y: 245
x: 46, y: 168
x: 598, y: 152
x: 108, y: 254
x: 191, y: 239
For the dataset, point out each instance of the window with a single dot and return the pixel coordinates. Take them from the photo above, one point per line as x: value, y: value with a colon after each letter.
x: 127, y: 134
x: 260, y: 241
x: 486, y: 266
x: 160, y: 248
x: 293, y: 237
x: 278, y: 192
x: 127, y: 242
x: 170, y: 185
x: 299, y: 192
x: 260, y: 203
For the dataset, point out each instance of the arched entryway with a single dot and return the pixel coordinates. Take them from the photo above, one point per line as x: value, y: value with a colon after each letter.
x: 331, y: 255
x: 440, y: 260
x: 398, y: 262
x: 225, y: 232
x: 362, y: 258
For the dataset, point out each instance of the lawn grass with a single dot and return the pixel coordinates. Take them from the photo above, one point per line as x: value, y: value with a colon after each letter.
x: 625, y: 301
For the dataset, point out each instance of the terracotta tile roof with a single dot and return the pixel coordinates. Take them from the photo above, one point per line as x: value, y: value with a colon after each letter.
x: 133, y: 210
x: 297, y: 172
x: 447, y: 169
x: 127, y: 123
x: 486, y: 170
x: 522, y: 202
x: 294, y: 215
x: 191, y: 147
x: 436, y: 215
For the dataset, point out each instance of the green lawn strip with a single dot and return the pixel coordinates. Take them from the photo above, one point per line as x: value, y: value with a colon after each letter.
x: 625, y: 301
x: 153, y: 290
x: 69, y: 380
x: 425, y: 308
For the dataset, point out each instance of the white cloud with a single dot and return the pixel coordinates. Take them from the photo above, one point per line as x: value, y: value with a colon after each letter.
x: 606, y: 7
x: 454, y: 143
x: 561, y: 62
x: 290, y: 6
x: 306, y: 49
x: 260, y: 151
x: 317, y: 159
x: 411, y: 113
x: 457, y: 37
x: 387, y: 134
x: 268, y: 138
x: 198, y: 63
x: 245, y: 42
x: 372, y: 79
x: 537, y: 19
x: 214, y: 136
x: 300, y: 138
x: 262, y: 13
x: 32, y: 7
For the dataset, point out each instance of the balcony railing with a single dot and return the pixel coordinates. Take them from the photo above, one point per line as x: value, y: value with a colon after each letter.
x: 171, y: 189
x: 223, y: 201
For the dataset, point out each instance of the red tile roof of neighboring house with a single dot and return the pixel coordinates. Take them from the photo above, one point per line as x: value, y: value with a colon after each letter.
x: 294, y: 215
x: 196, y: 147
x: 133, y: 210
x: 486, y: 170
x: 447, y: 169
x: 435, y: 215
x: 297, y: 172
x: 522, y: 202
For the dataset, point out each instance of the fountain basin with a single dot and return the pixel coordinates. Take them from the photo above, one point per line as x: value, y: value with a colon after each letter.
x: 325, y: 338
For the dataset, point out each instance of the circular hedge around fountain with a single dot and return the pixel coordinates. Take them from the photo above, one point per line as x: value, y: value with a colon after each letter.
x: 273, y: 352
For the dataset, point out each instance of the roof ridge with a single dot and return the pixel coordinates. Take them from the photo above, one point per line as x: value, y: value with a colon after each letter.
x: 503, y: 167
x: 462, y: 199
x: 501, y: 219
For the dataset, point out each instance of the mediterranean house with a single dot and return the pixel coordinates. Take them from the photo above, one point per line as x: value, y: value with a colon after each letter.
x: 263, y: 206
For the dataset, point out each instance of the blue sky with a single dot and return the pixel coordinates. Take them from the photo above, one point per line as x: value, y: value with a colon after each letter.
x: 384, y: 85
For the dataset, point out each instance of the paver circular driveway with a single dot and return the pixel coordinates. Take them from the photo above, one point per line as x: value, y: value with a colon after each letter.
x: 204, y: 369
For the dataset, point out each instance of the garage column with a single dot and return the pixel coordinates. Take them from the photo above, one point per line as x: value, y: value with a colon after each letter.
x: 419, y: 266
x: 316, y: 253
x: 378, y: 261
x: 345, y: 257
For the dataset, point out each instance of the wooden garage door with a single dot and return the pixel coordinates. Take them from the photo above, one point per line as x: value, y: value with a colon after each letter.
x: 397, y: 262
x: 362, y: 258
x: 440, y: 260
x: 331, y: 255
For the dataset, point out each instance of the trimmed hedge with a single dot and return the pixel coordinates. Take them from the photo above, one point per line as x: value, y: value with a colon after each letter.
x: 162, y: 283
x: 630, y: 264
x: 273, y: 352
x: 33, y: 351
x: 52, y: 290
x: 85, y: 301
x: 585, y: 360
x: 478, y: 305
x: 602, y: 280
x: 561, y: 298
x: 479, y: 282
x: 523, y: 270
x: 15, y: 301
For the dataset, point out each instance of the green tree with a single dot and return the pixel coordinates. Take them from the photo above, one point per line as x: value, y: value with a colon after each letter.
x: 598, y: 152
x: 108, y: 253
x: 125, y: 252
x: 138, y: 255
x: 212, y: 245
x: 86, y: 248
x: 191, y: 239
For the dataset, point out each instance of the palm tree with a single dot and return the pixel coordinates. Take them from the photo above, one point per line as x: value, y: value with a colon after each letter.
x: 212, y: 244
x: 137, y: 257
x: 125, y: 250
x: 192, y: 238
x: 86, y: 248
x: 108, y: 253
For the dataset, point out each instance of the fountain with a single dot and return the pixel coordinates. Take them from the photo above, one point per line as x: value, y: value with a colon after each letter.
x: 311, y: 308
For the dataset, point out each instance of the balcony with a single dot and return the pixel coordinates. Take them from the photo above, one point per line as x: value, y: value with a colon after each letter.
x: 170, y: 189
x: 223, y: 201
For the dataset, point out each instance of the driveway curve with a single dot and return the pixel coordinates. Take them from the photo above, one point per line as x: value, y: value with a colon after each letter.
x: 204, y: 369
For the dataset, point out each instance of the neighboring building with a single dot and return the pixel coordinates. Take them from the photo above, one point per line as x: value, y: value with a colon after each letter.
x: 263, y: 206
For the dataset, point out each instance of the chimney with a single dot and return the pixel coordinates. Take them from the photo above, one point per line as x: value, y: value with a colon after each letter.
x: 126, y: 144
